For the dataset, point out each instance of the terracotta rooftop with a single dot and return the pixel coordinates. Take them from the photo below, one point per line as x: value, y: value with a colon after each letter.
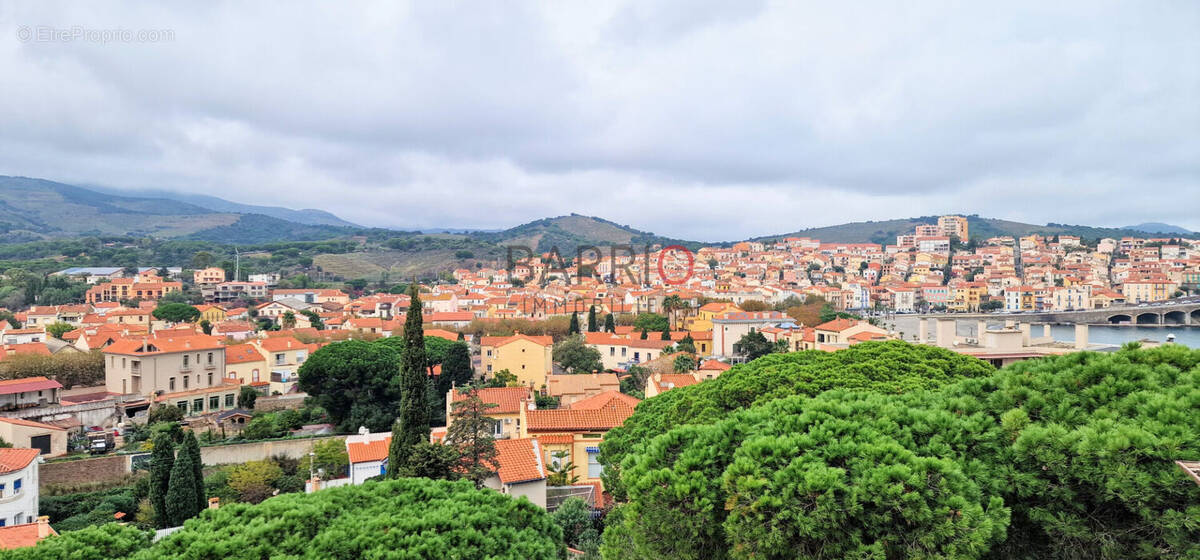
x: 604, y: 418
x: 242, y: 353
x: 370, y: 450
x: 599, y: 401
x: 21, y: 536
x: 27, y: 384
x: 16, y: 458
x: 519, y: 460
x: 507, y: 399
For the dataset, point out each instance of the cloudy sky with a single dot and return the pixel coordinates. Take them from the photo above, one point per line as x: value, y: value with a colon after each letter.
x: 702, y: 120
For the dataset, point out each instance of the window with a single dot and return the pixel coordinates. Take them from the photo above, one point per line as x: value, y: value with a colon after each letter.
x: 623, y: 350
x: 182, y: 406
x: 16, y: 486
x: 254, y: 376
x: 210, y: 358
x: 497, y: 428
x: 229, y: 400
x: 280, y: 359
x: 612, y: 351
x: 214, y: 402
x: 122, y: 362
x: 185, y: 361
x: 185, y: 382
x: 210, y: 378
x: 594, y: 466
x: 198, y: 405
x: 171, y: 384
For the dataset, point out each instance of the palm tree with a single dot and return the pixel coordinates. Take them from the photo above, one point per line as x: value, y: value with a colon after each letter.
x: 562, y: 473
x: 288, y: 320
x: 671, y: 304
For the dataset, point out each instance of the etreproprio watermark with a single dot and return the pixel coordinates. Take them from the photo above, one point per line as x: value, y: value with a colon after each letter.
x: 83, y: 34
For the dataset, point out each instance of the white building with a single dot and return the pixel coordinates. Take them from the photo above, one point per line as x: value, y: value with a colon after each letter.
x: 18, y: 485
x: 368, y: 453
x: 729, y: 328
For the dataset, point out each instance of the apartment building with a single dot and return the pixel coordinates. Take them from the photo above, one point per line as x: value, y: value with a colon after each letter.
x: 163, y: 364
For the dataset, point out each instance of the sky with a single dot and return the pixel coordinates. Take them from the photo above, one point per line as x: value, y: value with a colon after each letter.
x: 700, y: 120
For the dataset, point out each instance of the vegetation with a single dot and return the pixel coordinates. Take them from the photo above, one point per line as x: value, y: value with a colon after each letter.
x: 176, y: 313
x: 103, y: 542
x: 69, y: 368
x: 354, y: 381
x: 1064, y: 457
x: 162, y: 462
x: 412, y: 426
x: 471, y: 433
x: 575, y: 356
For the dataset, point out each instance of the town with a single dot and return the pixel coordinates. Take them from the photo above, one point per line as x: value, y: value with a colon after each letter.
x: 540, y: 356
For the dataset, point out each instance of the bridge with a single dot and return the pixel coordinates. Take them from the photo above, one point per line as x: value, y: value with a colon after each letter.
x: 1181, y: 311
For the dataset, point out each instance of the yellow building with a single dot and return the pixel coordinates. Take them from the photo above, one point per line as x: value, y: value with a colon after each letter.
x: 505, y: 415
x: 573, y: 435
x: 704, y: 316
x: 212, y: 313
x: 527, y: 357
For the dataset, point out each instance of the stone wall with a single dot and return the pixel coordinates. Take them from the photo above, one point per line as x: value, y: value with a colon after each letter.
x: 111, y: 468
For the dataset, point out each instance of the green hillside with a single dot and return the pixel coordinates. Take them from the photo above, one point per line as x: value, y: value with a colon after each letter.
x: 885, y: 231
x: 569, y: 232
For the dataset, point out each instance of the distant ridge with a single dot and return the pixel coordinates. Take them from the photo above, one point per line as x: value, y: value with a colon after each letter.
x: 1159, y: 227
x: 305, y: 216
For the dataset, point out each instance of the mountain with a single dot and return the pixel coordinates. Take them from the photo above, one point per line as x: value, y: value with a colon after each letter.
x: 307, y: 216
x: 1158, y: 227
x: 885, y: 232
x: 34, y: 209
x: 567, y: 233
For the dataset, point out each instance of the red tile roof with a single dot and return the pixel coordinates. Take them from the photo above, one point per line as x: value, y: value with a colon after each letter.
x: 507, y: 399
x: 496, y: 341
x: 714, y: 365
x: 242, y: 353
x: 599, y: 401
x: 163, y: 344
x: 837, y: 325
x: 26, y: 384
x: 373, y: 450
x: 519, y: 460
x: 28, y: 423
x: 605, y: 418
x: 16, y: 458
x: 20, y: 536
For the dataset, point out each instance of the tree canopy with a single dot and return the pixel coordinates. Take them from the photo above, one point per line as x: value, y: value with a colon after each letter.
x: 356, y: 382
x: 573, y: 354
x: 1062, y: 457
x: 176, y: 313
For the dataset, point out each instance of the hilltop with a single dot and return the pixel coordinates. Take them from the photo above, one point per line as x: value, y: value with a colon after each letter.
x: 571, y: 231
x: 885, y: 231
x: 36, y: 209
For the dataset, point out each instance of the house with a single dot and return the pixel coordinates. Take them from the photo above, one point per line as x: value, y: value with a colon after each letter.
x: 122, y: 289
x: 28, y: 392
x: 368, y: 453
x: 707, y: 312
x: 842, y: 331
x: 570, y: 388
x: 527, y: 357
x: 212, y: 313
x: 312, y: 296
x: 662, y: 382
x: 207, y: 276
x: 246, y: 364
x: 729, y: 328
x: 285, y: 355
x: 520, y: 470
x: 506, y: 414
x: 163, y: 363
x: 18, y: 485
x: 617, y: 352
x: 23, y: 336
x: 569, y: 435
x: 47, y: 439
x: 711, y: 369
x: 237, y: 330
x: 231, y: 291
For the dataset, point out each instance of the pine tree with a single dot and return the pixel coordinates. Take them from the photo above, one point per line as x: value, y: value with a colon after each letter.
x: 192, y: 447
x: 162, y: 459
x: 412, y: 427
x: 592, y: 326
x: 573, y: 328
x: 471, y: 433
x: 609, y: 324
x: 181, y: 501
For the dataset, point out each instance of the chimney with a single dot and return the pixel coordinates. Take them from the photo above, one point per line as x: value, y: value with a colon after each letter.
x: 1081, y: 337
x: 922, y: 327
x: 43, y: 526
x: 214, y: 502
x: 1025, y: 327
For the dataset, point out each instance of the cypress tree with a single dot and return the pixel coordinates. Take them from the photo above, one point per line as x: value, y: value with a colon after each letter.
x: 192, y: 447
x: 412, y: 427
x: 456, y: 370
x: 182, y: 503
x: 666, y: 334
x: 643, y: 334
x: 573, y: 328
x: 609, y: 324
x: 592, y: 326
x: 162, y: 459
